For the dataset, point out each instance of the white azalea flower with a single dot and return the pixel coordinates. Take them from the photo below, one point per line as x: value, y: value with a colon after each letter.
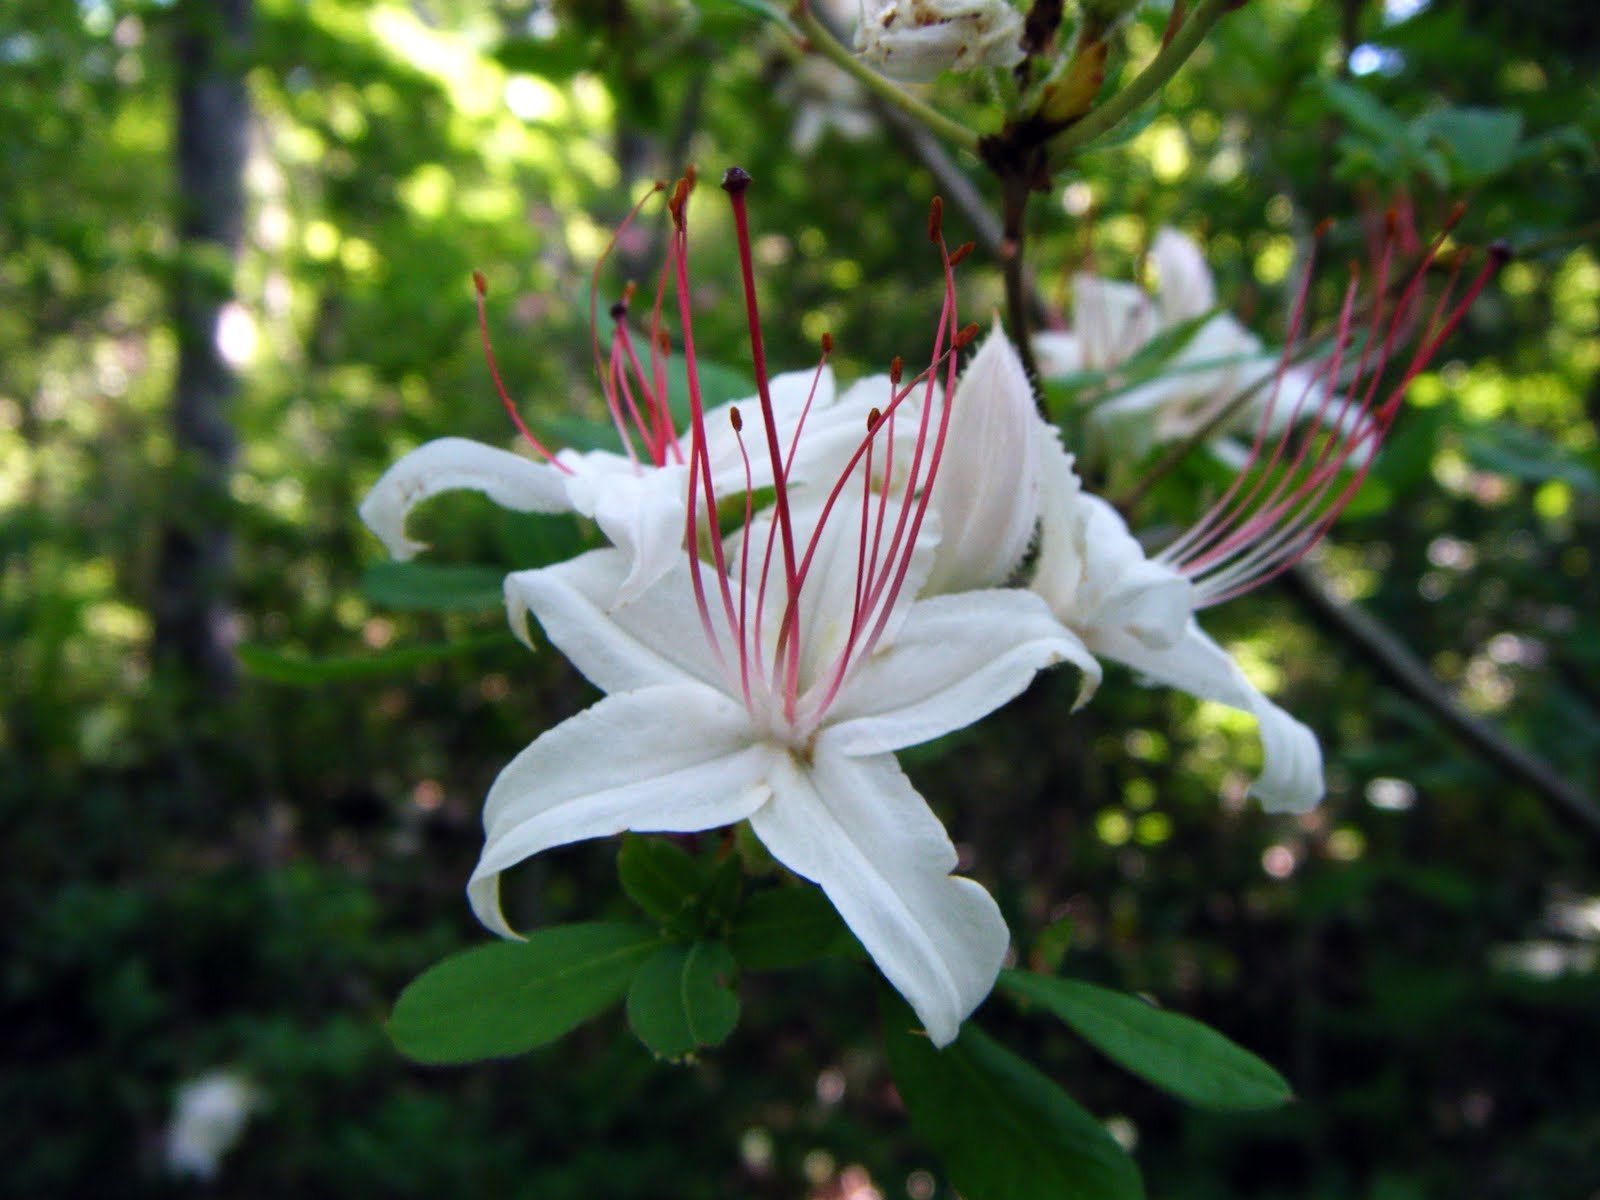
x: 210, y: 1112
x: 1297, y: 477
x: 1220, y: 361
x: 774, y: 683
x: 1140, y: 612
x: 915, y: 40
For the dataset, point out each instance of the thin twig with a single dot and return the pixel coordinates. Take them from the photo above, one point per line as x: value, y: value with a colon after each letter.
x: 1396, y: 663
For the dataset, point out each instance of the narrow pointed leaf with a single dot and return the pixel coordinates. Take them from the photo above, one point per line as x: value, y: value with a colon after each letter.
x: 509, y: 997
x: 1176, y: 1053
x: 682, y: 999
x: 1004, y: 1130
x: 434, y: 587
x: 278, y: 666
x: 788, y: 927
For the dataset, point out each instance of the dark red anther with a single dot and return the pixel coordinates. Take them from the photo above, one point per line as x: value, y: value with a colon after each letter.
x: 827, y: 343
x: 897, y: 367
x: 479, y: 282
x: 619, y: 310
x: 1391, y: 221
x: 967, y: 336
x: 936, y: 220
x: 735, y: 180
x: 961, y: 252
x: 738, y: 421
x: 873, y: 418
x: 1322, y: 229
x: 1500, y: 252
x: 664, y: 340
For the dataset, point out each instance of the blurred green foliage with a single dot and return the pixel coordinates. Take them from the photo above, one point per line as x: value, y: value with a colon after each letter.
x: 191, y: 885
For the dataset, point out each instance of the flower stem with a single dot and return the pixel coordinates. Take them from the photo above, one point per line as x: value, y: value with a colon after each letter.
x: 1146, y: 84
x: 820, y: 38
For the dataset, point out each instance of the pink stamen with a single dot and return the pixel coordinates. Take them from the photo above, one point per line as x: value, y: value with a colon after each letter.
x: 480, y: 289
x: 1246, y: 539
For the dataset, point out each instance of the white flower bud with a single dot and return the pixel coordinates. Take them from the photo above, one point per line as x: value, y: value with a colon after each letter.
x: 987, y: 493
x: 210, y: 1114
x: 914, y: 40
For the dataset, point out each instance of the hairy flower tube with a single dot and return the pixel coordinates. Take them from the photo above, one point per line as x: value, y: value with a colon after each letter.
x: 916, y: 40
x: 1302, y: 469
x: 770, y: 675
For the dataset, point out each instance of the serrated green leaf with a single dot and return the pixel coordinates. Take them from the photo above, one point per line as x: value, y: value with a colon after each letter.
x: 434, y: 587
x: 1004, y: 1130
x: 1174, y: 1052
x: 682, y: 999
x: 510, y: 997
x: 276, y: 666
x: 787, y: 927
x: 664, y: 880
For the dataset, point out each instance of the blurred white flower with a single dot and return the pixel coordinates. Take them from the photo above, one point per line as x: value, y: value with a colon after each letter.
x: 821, y: 98
x: 1215, y: 365
x: 209, y: 1114
x: 915, y: 40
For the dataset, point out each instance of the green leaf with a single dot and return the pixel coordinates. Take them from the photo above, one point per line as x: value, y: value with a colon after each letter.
x: 788, y: 927
x: 1176, y: 1053
x: 434, y: 587
x: 664, y: 880
x: 1364, y: 112
x: 682, y: 999
x: 1003, y: 1129
x: 1523, y: 454
x: 509, y: 997
x: 276, y: 666
x: 1480, y: 142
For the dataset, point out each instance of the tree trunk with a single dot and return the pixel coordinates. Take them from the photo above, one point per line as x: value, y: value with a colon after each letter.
x: 191, y: 608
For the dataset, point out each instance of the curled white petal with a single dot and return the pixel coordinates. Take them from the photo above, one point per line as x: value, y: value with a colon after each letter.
x: 623, y: 764
x: 453, y: 464
x: 1291, y: 759
x: 859, y: 830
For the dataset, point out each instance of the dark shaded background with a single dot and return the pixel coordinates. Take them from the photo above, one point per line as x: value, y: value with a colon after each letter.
x: 207, y: 867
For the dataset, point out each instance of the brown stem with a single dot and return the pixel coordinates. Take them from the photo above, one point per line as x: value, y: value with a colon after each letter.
x: 1014, y: 192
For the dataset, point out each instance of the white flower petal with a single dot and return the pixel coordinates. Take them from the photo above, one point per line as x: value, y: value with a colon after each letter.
x: 656, y: 639
x: 452, y: 464
x: 1094, y: 574
x: 987, y: 492
x: 858, y: 829
x: 1113, y: 319
x: 1058, y: 353
x: 640, y: 509
x: 1291, y: 760
x: 955, y: 659
x: 1186, y: 288
x: 914, y: 40
x: 677, y: 759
